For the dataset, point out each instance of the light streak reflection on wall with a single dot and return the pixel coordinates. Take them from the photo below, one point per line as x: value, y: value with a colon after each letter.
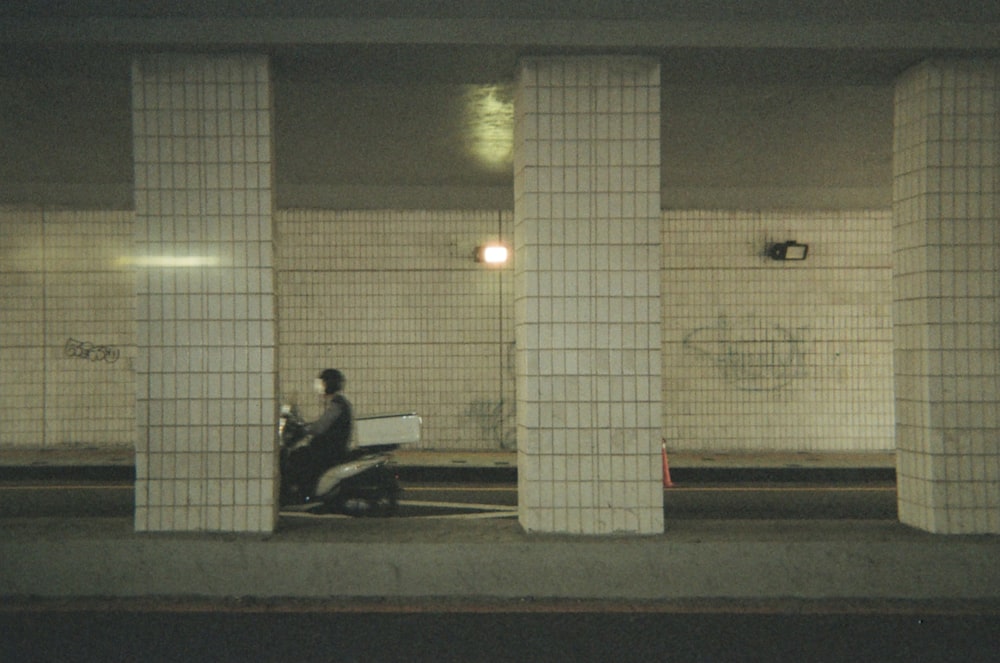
x: 489, y: 124
x: 169, y: 261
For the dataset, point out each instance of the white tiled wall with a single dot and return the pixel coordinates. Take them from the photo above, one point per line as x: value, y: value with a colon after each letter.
x: 762, y: 355
x: 396, y: 300
x: 947, y: 295
x: 22, y: 328
x: 393, y: 341
x: 205, y: 370
x: 586, y: 180
x: 66, y: 334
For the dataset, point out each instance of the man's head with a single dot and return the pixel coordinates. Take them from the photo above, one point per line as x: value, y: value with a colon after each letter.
x: 333, y: 380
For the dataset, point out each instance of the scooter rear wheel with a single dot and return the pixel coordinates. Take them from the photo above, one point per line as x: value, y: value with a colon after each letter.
x: 383, y: 506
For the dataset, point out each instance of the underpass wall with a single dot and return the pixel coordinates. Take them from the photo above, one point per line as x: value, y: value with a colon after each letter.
x: 768, y: 355
x: 758, y: 355
x: 397, y: 301
x: 67, y: 335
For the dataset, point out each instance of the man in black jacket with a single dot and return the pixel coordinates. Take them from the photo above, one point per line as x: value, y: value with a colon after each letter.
x: 331, y: 433
x: 331, y: 438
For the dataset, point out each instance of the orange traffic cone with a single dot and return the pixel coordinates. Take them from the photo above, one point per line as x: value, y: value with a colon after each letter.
x: 667, y: 482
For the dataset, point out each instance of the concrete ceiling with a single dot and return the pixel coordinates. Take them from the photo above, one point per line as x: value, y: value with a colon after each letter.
x: 725, y: 41
x: 976, y: 11
x: 810, y: 83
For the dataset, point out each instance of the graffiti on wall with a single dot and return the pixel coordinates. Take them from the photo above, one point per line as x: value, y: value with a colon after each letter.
x: 91, y: 352
x: 494, y: 421
x: 752, y: 354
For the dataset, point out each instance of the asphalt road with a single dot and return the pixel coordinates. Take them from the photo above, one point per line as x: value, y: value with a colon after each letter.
x: 43, y: 498
x: 563, y: 632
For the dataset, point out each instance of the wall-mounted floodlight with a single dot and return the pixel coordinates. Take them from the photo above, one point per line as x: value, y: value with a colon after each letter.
x: 790, y: 250
x: 492, y: 254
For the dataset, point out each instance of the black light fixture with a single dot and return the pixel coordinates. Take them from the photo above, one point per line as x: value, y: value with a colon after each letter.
x: 790, y: 250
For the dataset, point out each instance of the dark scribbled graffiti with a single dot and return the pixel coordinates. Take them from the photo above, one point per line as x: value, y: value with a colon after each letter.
x: 496, y: 420
x: 751, y: 354
x: 493, y: 419
x: 91, y: 352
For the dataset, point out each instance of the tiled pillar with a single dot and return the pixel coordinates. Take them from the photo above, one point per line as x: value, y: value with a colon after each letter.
x: 947, y: 295
x: 205, y: 369
x: 587, y: 309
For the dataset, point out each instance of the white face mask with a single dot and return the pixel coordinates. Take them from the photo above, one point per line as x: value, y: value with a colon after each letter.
x: 319, y: 386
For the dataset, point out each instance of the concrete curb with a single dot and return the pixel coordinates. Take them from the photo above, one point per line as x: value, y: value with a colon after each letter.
x: 326, y: 558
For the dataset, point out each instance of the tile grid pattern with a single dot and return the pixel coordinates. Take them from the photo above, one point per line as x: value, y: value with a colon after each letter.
x: 414, y: 295
x: 764, y: 355
x: 587, y: 313
x: 22, y: 327
x: 67, y: 333
x: 947, y: 295
x: 395, y: 299
x: 205, y: 368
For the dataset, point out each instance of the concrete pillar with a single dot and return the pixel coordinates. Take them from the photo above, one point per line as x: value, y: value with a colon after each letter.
x: 946, y: 238
x: 587, y: 282
x: 205, y: 370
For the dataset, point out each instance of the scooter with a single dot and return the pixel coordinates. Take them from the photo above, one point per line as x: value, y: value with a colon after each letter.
x: 362, y: 485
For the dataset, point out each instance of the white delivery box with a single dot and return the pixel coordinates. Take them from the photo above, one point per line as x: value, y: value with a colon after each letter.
x: 386, y: 429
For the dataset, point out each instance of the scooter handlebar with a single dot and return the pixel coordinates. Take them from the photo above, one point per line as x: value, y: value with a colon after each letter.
x: 292, y: 428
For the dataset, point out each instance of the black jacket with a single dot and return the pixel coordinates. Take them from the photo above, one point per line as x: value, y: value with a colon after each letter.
x: 331, y: 433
